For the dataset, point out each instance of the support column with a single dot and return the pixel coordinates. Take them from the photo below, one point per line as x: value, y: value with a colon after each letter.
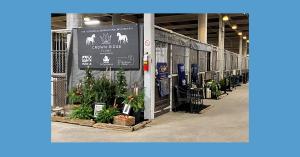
x: 244, y: 54
x: 240, y: 57
x: 149, y: 76
x: 72, y: 21
x: 116, y: 19
x: 202, y: 28
x: 221, y: 47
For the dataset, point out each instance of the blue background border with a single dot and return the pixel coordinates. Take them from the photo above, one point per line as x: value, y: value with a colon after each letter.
x: 25, y: 78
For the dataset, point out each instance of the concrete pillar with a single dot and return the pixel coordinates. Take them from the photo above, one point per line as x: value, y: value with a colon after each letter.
x: 202, y: 28
x: 116, y: 19
x: 187, y: 64
x: 149, y: 76
x: 221, y: 50
x: 244, y: 54
x: 73, y: 21
x: 240, y: 56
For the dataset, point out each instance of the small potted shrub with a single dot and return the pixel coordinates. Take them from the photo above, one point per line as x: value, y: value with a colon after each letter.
x: 104, y: 91
x: 100, y: 88
x: 136, y: 102
x: 74, y: 96
x: 84, y: 111
x: 215, y: 89
x: 120, y: 89
x: 106, y: 115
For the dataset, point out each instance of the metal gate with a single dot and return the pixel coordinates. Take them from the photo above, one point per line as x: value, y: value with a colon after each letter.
x: 59, y: 55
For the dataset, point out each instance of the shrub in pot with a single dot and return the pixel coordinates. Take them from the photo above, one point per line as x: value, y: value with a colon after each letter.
x: 74, y: 96
x: 136, y: 102
x: 215, y: 89
x: 120, y: 89
x: 104, y: 91
x: 84, y: 111
x: 106, y: 115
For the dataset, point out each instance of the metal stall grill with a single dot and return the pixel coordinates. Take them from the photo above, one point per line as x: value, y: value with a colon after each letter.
x: 59, y: 53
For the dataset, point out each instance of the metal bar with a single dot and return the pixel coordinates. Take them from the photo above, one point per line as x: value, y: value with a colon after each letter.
x: 56, y: 58
x: 61, y: 31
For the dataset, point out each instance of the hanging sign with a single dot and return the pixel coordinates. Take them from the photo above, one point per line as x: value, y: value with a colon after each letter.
x: 109, y: 46
x: 162, y: 70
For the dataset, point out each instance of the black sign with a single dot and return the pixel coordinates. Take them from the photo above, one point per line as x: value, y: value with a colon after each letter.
x: 109, y: 47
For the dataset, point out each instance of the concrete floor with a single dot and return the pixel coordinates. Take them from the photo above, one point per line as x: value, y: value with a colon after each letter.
x: 225, y: 121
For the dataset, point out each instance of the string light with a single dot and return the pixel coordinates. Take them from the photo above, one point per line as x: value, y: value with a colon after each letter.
x: 234, y: 27
x: 225, y: 18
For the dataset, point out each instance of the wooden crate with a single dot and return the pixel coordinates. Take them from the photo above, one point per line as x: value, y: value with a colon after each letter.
x: 124, y: 120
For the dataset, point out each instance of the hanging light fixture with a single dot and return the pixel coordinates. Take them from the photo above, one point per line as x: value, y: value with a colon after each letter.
x: 225, y: 18
x: 92, y: 22
x: 240, y: 33
x: 234, y: 27
x: 244, y: 37
x: 86, y: 19
x: 247, y: 41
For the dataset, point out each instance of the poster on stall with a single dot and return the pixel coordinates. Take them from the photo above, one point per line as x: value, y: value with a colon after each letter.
x: 162, y: 70
x: 181, y: 75
x: 115, y: 46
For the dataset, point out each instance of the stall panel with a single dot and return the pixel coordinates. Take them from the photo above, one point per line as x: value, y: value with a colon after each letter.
x: 178, y: 57
x: 214, y: 61
x: 202, y: 61
x: 162, y: 81
x: 193, y: 56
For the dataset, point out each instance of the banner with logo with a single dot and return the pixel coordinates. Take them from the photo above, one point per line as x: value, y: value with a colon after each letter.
x: 162, y: 70
x: 109, y: 47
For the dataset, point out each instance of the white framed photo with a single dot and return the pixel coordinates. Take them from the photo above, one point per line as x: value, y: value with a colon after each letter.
x: 97, y: 109
x: 126, y: 109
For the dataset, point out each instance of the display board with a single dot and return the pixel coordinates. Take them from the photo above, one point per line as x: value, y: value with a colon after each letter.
x: 114, y: 47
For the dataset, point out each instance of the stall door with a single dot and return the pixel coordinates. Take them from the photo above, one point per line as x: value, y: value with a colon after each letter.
x: 162, y: 81
x: 58, y: 67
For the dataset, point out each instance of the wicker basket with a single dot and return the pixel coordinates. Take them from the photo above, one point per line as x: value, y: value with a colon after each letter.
x: 124, y: 120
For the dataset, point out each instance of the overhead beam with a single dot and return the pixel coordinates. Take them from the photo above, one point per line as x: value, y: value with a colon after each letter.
x: 175, y: 18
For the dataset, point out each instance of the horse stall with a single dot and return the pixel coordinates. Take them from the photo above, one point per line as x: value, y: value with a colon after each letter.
x: 182, y: 50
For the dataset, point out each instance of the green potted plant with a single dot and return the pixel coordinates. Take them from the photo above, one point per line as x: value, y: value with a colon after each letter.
x: 120, y: 89
x: 106, y: 115
x: 84, y: 111
x: 215, y: 89
x: 136, y: 102
x: 74, y: 96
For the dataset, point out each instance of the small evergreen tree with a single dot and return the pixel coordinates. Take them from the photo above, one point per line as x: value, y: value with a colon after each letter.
x: 121, y: 85
x: 88, y: 93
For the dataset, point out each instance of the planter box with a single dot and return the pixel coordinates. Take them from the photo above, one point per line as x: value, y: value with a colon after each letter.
x: 124, y: 120
x: 121, y: 127
x: 91, y: 123
x: 82, y: 122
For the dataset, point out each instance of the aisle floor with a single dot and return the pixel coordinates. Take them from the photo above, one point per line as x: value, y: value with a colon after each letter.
x: 227, y: 120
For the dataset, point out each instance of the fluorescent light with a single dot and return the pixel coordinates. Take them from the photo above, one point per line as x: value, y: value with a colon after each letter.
x: 234, y: 27
x: 240, y: 33
x: 244, y: 37
x: 86, y: 19
x: 92, y: 22
x: 225, y: 18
